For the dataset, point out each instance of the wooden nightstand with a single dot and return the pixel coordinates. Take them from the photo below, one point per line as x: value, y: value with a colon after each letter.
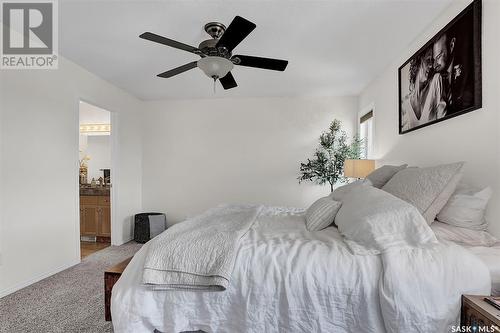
x: 111, y: 275
x: 476, y: 312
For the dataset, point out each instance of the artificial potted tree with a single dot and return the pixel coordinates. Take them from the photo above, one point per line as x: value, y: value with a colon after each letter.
x: 327, y: 164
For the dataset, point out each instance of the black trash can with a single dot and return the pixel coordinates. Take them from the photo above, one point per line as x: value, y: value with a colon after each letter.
x: 148, y: 225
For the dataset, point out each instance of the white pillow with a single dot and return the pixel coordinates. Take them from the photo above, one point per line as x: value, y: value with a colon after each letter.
x: 379, y: 177
x: 374, y: 221
x: 466, y: 208
x: 321, y: 213
x: 428, y: 189
x: 340, y: 192
x: 463, y: 236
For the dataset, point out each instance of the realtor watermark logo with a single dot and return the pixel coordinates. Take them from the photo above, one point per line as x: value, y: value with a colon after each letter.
x: 29, y: 34
x: 474, y: 329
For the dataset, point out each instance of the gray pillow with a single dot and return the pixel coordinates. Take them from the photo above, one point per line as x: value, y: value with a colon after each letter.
x: 379, y: 177
x: 340, y: 192
x: 428, y: 189
x: 321, y: 213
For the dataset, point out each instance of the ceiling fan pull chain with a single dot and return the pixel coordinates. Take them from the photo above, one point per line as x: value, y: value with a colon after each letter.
x: 215, y: 79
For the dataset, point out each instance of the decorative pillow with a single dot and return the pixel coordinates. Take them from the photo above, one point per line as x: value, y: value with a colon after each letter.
x: 373, y: 221
x: 463, y: 236
x: 340, y: 192
x: 379, y: 177
x: 466, y: 208
x: 321, y: 213
x: 428, y: 189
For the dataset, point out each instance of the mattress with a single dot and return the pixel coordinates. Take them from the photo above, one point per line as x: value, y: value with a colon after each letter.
x: 490, y: 256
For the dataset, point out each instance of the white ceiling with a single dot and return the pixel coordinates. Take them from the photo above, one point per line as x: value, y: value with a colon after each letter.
x: 333, y: 47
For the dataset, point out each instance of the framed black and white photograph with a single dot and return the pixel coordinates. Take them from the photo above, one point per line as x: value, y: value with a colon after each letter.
x: 443, y: 79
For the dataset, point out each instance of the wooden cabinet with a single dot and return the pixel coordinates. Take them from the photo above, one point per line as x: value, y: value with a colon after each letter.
x: 90, y: 220
x: 95, y: 216
x: 477, y: 313
x: 104, y: 218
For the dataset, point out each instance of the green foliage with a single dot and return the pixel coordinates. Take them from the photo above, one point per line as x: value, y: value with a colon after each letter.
x: 327, y: 164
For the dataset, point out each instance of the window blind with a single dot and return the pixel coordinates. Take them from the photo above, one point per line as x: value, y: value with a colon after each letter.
x: 366, y: 117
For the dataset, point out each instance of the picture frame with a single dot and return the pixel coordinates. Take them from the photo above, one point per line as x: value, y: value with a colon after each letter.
x: 443, y: 79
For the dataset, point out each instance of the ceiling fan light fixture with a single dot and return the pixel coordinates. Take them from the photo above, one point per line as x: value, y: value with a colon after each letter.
x: 215, y: 67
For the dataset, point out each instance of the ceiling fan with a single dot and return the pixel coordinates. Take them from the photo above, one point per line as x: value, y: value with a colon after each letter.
x: 217, y: 60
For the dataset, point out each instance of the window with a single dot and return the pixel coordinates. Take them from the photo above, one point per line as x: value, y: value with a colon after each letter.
x: 366, y: 133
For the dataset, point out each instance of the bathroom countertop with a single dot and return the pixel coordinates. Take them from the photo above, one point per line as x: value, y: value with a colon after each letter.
x: 94, y: 191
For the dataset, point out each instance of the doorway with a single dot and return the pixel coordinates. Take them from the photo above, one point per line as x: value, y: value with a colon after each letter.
x: 95, y: 178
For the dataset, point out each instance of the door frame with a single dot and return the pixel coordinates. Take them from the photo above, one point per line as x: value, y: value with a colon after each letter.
x: 114, y: 149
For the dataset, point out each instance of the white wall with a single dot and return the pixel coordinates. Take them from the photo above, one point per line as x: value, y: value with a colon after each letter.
x: 1, y: 191
x: 91, y: 114
x: 201, y: 153
x: 473, y: 137
x: 39, y: 159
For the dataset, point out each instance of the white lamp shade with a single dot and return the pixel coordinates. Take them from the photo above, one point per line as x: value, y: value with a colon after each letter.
x: 215, y: 67
x: 358, y: 168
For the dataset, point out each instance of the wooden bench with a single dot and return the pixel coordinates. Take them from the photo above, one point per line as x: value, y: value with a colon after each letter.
x: 111, y: 275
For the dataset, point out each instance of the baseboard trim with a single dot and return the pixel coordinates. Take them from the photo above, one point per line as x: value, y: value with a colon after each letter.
x: 123, y: 241
x: 40, y: 277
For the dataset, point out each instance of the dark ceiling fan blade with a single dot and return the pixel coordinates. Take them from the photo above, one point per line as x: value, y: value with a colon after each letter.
x: 235, y: 33
x: 169, y: 42
x: 178, y: 70
x: 258, y: 62
x: 228, y: 81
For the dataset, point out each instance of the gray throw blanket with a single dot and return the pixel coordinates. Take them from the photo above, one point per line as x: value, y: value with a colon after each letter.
x: 199, y: 253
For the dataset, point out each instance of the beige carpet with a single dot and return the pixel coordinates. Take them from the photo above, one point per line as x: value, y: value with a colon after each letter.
x: 70, y: 301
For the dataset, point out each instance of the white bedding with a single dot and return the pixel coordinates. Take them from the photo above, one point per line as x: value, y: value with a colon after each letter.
x: 287, y: 279
x: 199, y: 253
x: 480, y: 242
x: 490, y: 256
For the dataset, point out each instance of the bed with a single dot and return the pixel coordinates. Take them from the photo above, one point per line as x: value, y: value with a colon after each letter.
x: 289, y: 279
x: 490, y: 256
x: 479, y: 242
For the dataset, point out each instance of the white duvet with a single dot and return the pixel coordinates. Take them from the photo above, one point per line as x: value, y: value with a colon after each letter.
x: 287, y: 279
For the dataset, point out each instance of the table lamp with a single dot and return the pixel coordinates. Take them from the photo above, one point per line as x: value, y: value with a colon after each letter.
x: 358, y: 168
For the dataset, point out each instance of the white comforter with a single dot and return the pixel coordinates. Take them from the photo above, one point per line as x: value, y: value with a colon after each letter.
x: 199, y: 253
x: 287, y: 279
